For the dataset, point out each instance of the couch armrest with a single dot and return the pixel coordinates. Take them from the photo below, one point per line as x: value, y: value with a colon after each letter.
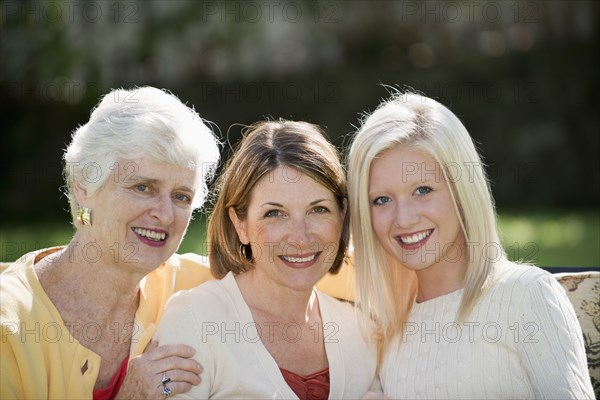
x: 583, y: 290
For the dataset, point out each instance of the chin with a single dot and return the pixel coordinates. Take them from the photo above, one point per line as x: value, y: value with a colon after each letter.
x: 302, y: 285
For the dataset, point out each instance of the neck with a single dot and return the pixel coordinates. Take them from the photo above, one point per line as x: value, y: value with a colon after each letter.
x: 431, y: 288
x: 279, y: 301
x: 100, y: 287
x: 440, y: 279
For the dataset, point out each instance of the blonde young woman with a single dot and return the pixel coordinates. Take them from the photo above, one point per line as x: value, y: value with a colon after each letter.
x: 457, y: 318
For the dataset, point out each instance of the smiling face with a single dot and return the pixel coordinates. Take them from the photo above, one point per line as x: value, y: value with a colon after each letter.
x: 412, y: 212
x: 141, y: 212
x: 294, y: 225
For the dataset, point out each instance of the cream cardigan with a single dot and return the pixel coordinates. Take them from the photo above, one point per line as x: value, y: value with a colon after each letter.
x: 214, y: 319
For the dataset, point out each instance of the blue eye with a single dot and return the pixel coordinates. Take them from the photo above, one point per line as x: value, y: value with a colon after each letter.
x: 423, y: 190
x: 320, y: 210
x: 142, y: 188
x: 381, y: 200
x: 183, y: 197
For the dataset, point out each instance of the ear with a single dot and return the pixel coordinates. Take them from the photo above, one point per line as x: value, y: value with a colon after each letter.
x: 240, y: 226
x: 80, y: 193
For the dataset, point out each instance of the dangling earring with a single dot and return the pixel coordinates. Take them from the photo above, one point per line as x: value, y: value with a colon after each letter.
x: 84, y: 216
x: 246, y: 252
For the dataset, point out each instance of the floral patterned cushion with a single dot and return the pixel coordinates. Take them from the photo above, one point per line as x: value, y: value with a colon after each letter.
x: 583, y: 289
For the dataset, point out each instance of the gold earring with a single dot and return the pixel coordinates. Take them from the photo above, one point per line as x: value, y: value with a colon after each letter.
x: 84, y: 216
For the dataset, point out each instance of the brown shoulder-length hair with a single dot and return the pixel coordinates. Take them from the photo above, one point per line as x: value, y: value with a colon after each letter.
x: 264, y: 147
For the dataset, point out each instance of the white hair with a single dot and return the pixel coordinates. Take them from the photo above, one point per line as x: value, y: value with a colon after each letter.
x: 141, y: 122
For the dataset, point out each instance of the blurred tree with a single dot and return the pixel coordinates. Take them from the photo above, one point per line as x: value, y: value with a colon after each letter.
x: 522, y: 75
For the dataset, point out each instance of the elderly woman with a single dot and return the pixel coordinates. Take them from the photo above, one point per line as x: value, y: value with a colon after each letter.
x: 458, y: 319
x: 74, y: 318
x: 278, y: 226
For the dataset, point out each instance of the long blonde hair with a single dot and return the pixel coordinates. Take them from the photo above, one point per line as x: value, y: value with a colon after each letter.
x: 385, y: 289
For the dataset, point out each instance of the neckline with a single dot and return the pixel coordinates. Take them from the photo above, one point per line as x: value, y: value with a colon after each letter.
x: 38, y: 291
x: 455, y: 293
x: 309, y: 376
x: 269, y: 364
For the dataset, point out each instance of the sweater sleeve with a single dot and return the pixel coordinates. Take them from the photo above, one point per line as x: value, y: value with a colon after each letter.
x: 179, y: 326
x: 10, y: 379
x: 551, y: 342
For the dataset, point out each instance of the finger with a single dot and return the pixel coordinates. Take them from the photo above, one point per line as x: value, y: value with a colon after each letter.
x: 174, y: 388
x: 183, y: 387
x: 186, y: 364
x: 179, y: 350
x: 179, y: 375
x: 151, y: 346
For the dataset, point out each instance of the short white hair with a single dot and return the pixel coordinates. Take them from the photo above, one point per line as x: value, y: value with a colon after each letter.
x: 136, y: 123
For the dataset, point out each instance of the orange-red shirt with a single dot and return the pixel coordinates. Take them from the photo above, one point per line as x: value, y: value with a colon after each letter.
x: 314, y: 386
x: 111, y: 391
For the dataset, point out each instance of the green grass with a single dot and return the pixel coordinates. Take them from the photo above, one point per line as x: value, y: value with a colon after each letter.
x: 552, y: 238
x: 543, y: 238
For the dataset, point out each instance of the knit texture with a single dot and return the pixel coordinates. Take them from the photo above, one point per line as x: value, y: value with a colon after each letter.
x: 522, y: 340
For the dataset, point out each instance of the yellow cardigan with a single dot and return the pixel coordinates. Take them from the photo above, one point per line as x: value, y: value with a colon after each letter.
x: 38, y: 356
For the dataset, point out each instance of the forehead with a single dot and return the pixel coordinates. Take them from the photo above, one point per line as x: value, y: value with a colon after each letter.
x: 402, y: 154
x: 147, y: 168
x: 288, y: 184
x: 404, y: 163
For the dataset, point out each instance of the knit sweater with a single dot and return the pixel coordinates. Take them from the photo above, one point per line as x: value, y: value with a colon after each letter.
x: 522, y: 340
x: 214, y: 319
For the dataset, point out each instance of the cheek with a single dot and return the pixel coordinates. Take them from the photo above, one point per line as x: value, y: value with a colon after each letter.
x: 329, y: 225
x: 333, y: 231
x: 456, y: 231
x: 183, y: 219
x: 445, y: 214
x: 264, y: 232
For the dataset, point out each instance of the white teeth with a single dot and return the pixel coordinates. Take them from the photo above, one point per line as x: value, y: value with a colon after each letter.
x: 156, y: 236
x: 298, y: 259
x: 417, y: 237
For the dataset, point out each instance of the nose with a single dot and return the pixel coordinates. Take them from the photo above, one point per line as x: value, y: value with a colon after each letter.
x: 406, y: 214
x: 299, y: 234
x: 163, y: 210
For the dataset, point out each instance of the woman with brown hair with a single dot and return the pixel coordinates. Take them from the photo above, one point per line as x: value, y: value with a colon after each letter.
x: 278, y: 226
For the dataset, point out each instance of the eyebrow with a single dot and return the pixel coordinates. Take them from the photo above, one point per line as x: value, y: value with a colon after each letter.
x: 312, y: 203
x: 155, y: 181
x: 142, y: 178
x: 187, y: 189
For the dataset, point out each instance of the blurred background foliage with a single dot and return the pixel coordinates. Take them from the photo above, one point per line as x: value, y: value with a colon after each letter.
x: 522, y: 76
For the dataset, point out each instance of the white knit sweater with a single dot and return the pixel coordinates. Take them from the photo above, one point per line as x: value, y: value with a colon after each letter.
x: 522, y: 340
x: 215, y: 320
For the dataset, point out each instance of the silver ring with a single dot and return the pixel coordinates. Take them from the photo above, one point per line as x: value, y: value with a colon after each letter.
x: 166, y: 391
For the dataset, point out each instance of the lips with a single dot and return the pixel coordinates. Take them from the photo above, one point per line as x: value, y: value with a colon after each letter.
x: 151, y: 236
x: 301, y: 261
x: 414, y: 240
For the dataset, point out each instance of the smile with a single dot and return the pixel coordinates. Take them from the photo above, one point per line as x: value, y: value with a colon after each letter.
x: 299, y: 259
x: 151, y: 235
x: 414, y: 238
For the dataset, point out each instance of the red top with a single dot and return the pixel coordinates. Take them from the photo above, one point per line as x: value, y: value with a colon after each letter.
x: 111, y: 391
x: 308, y: 387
